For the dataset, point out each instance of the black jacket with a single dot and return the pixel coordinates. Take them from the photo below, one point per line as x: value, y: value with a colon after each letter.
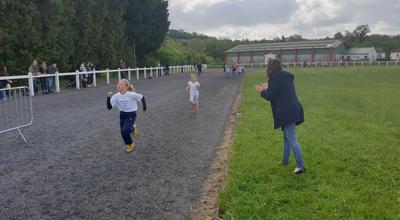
x: 281, y: 92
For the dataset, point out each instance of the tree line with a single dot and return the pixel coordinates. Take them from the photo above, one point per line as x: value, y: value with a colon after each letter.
x: 69, y: 32
x: 193, y: 47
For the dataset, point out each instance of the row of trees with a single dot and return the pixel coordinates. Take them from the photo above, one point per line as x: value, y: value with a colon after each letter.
x: 69, y: 32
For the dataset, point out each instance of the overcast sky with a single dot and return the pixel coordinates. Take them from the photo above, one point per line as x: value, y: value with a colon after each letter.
x: 258, y: 19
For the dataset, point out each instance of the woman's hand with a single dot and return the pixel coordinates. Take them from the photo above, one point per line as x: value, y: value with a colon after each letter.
x: 261, y: 87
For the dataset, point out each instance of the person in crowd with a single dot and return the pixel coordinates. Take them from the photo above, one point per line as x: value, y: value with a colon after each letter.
x: 8, y: 81
x: 234, y: 67
x: 90, y: 75
x: 121, y: 65
x: 167, y: 68
x: 199, y: 69
x: 3, y: 84
x: 43, y: 69
x: 286, y: 109
x: 83, y: 77
x: 34, y: 70
x: 52, y: 70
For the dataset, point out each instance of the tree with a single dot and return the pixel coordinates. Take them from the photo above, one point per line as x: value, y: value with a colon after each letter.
x: 338, y: 36
x: 361, y: 31
x: 295, y: 37
x: 146, y: 24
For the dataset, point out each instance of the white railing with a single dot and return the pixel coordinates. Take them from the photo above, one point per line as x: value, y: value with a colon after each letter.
x: 327, y: 64
x: 16, y: 110
x: 132, y: 73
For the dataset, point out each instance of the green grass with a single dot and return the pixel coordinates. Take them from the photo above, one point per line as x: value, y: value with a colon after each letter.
x: 350, y: 142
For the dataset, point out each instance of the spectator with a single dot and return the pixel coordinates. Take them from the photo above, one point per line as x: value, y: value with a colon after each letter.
x: 3, y: 84
x: 234, y: 67
x: 90, y: 75
x: 167, y: 69
x: 121, y: 65
x: 199, y: 69
x: 181, y: 67
x: 52, y: 71
x: 83, y: 77
x: 224, y: 67
x: 34, y: 70
x: 43, y: 80
x: 286, y: 109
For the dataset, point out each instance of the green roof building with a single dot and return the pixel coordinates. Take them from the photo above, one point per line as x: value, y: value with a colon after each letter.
x: 309, y: 51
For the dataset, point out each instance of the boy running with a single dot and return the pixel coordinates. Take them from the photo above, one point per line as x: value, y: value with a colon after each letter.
x: 126, y: 102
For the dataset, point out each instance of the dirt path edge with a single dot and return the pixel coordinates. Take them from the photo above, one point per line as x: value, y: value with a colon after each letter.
x: 207, y: 206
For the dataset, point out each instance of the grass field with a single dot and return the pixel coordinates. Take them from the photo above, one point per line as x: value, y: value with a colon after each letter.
x: 350, y: 142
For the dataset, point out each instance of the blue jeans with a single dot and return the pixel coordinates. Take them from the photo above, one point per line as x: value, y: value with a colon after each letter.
x: 2, y: 95
x: 127, y: 119
x: 49, y: 83
x: 290, y: 142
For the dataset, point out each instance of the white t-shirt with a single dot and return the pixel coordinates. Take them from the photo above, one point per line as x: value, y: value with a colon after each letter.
x: 126, y: 102
x: 194, y: 88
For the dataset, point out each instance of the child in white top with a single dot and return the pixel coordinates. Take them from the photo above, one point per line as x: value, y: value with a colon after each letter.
x: 126, y: 102
x: 193, y: 87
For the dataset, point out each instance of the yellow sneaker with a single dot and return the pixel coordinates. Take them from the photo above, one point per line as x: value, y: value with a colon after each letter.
x: 130, y: 148
x: 134, y: 132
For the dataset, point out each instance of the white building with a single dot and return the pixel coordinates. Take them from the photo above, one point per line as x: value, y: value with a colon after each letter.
x: 381, y: 55
x: 365, y: 53
x: 395, y: 55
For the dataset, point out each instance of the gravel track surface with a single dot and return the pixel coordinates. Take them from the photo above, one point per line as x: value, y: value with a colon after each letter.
x: 74, y: 165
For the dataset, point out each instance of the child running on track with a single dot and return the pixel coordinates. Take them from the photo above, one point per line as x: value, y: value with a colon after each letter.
x: 126, y: 102
x: 193, y: 87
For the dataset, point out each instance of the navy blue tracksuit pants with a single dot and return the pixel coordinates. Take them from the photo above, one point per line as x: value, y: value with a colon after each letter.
x: 127, y: 119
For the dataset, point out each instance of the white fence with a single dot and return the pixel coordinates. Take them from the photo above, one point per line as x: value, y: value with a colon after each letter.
x: 129, y: 73
x: 327, y: 64
x: 16, y: 110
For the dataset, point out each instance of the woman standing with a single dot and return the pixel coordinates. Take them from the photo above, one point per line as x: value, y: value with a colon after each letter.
x: 286, y: 109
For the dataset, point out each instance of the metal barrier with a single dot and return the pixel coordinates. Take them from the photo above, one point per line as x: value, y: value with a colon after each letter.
x: 16, y: 110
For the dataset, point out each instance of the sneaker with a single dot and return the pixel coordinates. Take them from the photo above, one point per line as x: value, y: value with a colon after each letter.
x: 134, y: 132
x: 130, y: 148
x: 298, y: 170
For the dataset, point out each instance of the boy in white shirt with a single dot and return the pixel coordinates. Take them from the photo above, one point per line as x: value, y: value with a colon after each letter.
x: 193, y: 87
x: 126, y: 102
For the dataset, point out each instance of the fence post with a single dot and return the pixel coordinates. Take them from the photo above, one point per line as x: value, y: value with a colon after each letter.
x: 129, y: 74
x: 144, y: 73
x: 108, y: 76
x: 137, y: 73
x: 151, y: 72
x: 387, y: 63
x: 94, y: 78
x: 370, y: 63
x: 77, y: 79
x: 57, y: 79
x: 30, y: 81
x: 362, y: 63
x: 162, y: 71
x: 119, y: 74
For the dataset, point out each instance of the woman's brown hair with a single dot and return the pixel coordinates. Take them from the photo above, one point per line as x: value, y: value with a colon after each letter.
x: 273, y: 65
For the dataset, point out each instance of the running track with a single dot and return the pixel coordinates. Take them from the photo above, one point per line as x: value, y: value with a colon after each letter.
x: 74, y: 165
